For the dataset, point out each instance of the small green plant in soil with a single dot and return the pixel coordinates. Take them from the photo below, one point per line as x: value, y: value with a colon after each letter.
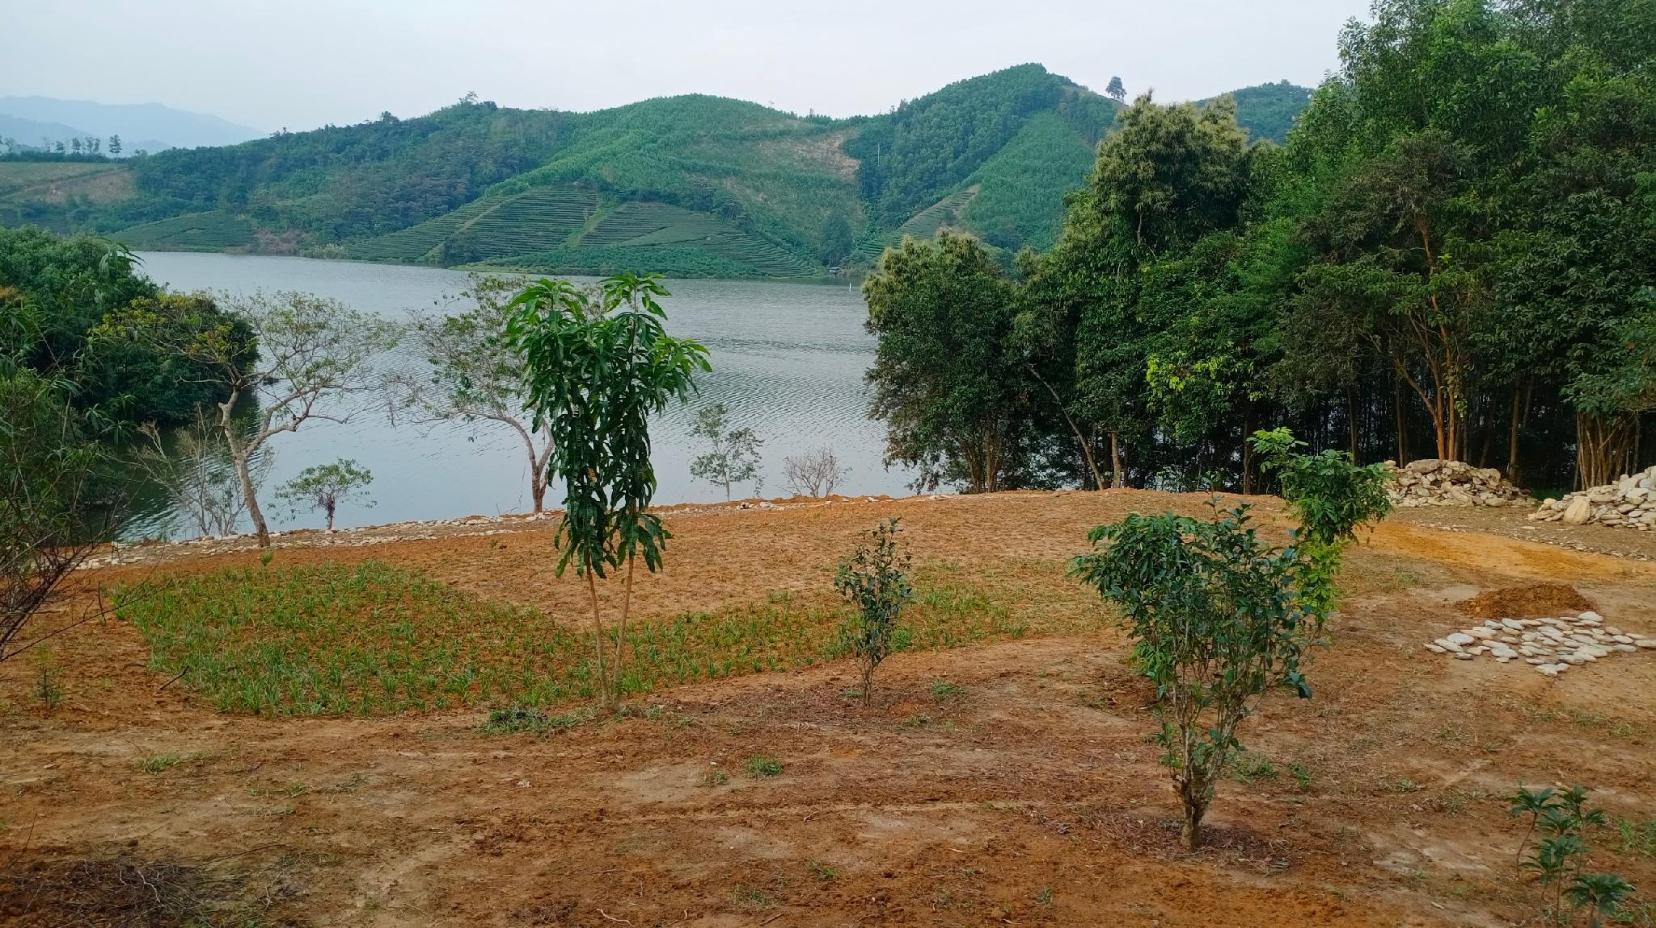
x: 1559, y: 822
x: 1218, y: 616
x: 875, y: 580
x: 760, y: 766
x: 946, y: 691
x: 514, y: 719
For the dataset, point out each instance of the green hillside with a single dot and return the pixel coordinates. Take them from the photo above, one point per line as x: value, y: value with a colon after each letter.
x: 691, y: 185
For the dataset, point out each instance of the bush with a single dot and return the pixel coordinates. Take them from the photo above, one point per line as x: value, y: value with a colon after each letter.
x: 1217, y: 617
x: 1561, y: 819
x: 875, y: 579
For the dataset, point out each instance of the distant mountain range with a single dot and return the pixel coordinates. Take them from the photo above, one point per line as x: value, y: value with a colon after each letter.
x: 42, y: 121
x: 687, y: 186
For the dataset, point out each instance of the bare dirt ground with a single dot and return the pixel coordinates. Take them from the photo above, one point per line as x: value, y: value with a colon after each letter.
x: 1030, y: 798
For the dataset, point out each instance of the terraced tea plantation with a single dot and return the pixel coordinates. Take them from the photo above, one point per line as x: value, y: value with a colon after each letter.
x: 215, y: 230
x: 572, y: 230
x: 923, y: 224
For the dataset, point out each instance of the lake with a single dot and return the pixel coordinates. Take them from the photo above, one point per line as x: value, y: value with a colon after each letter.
x: 788, y: 360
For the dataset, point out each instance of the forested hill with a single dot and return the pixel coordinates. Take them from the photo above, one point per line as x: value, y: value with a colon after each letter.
x: 690, y: 185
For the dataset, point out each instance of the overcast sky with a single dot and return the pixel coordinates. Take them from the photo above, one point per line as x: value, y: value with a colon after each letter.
x: 302, y: 63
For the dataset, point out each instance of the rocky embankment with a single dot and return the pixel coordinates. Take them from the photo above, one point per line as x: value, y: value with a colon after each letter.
x: 1629, y: 502
x: 1434, y: 482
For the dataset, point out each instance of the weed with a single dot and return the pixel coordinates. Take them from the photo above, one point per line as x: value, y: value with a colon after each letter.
x: 917, y: 720
x: 823, y: 872
x: 1403, y: 785
x: 47, y: 687
x: 759, y: 766
x: 1636, y: 837
x: 753, y: 897
x: 1044, y: 897
x: 507, y: 720
x: 947, y: 691
x: 1301, y: 775
x: 160, y: 763
x: 1249, y: 766
x: 715, y: 777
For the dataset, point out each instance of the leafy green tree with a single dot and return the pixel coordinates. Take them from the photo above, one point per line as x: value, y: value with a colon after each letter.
x: 875, y: 579
x: 596, y: 372
x: 1116, y: 90
x: 308, y: 355
x: 475, y: 374
x: 733, y: 454
x: 325, y: 486
x: 953, y: 402
x: 115, y: 145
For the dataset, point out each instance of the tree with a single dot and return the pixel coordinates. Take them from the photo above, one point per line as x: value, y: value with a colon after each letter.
x: 54, y: 504
x: 200, y: 478
x: 476, y: 376
x: 874, y: 579
x: 326, y: 486
x: 115, y: 145
x: 814, y: 473
x: 596, y: 372
x: 309, y: 354
x: 837, y: 240
x: 1116, y: 90
x: 733, y: 454
x: 954, y: 404
x: 1218, y: 616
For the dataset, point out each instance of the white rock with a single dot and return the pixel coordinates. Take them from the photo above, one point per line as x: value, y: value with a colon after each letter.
x: 1458, y: 638
x: 1435, y: 649
x: 1645, y: 642
x: 1590, y: 616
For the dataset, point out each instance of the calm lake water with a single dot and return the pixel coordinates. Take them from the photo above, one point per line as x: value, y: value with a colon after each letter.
x: 788, y: 360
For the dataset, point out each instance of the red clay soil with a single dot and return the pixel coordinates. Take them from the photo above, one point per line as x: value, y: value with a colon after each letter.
x: 1031, y: 798
x: 1535, y: 599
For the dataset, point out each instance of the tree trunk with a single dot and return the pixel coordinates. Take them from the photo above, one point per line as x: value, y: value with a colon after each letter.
x: 621, y: 638
x: 1116, y: 481
x: 1512, y: 471
x: 537, y: 489
x: 598, y: 638
x: 1400, y: 422
x: 1190, y: 831
x: 1603, y: 449
x: 330, y: 508
x: 241, y: 458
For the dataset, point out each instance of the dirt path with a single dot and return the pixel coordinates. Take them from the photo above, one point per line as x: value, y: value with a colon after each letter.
x: 1031, y: 797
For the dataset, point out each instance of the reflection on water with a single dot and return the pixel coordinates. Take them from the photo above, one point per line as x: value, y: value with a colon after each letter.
x: 788, y: 361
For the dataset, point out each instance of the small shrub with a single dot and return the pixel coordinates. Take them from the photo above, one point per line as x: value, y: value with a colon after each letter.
x: 823, y: 871
x: 1560, y: 821
x: 1249, y: 766
x: 875, y: 580
x: 760, y: 766
x: 715, y: 777
x: 160, y: 763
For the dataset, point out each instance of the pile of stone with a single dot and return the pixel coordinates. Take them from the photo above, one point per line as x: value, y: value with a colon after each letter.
x: 1434, y: 482
x: 1629, y: 502
x: 1551, y: 646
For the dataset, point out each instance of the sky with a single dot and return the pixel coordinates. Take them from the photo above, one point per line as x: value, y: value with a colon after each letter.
x: 303, y: 63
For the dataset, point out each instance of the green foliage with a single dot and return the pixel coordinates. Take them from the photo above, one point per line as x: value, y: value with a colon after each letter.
x: 954, y: 402
x: 733, y: 454
x: 1268, y: 111
x: 596, y: 372
x: 875, y: 580
x: 1217, y: 617
x: 54, y: 495
x: 325, y: 486
x: 1560, y: 821
x: 760, y: 767
x: 372, y: 639
x: 1329, y: 493
x: 510, y: 720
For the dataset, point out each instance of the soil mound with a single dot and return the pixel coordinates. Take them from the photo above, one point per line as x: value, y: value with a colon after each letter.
x: 1517, y: 602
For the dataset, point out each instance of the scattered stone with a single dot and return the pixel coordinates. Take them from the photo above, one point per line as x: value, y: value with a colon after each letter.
x: 1555, y: 645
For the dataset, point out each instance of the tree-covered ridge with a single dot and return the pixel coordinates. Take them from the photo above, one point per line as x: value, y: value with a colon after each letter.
x: 693, y: 185
x: 1268, y: 111
x: 1452, y: 256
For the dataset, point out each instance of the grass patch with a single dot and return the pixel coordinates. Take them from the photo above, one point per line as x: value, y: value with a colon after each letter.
x: 371, y: 639
x: 760, y: 766
x: 946, y: 691
x: 1248, y: 766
